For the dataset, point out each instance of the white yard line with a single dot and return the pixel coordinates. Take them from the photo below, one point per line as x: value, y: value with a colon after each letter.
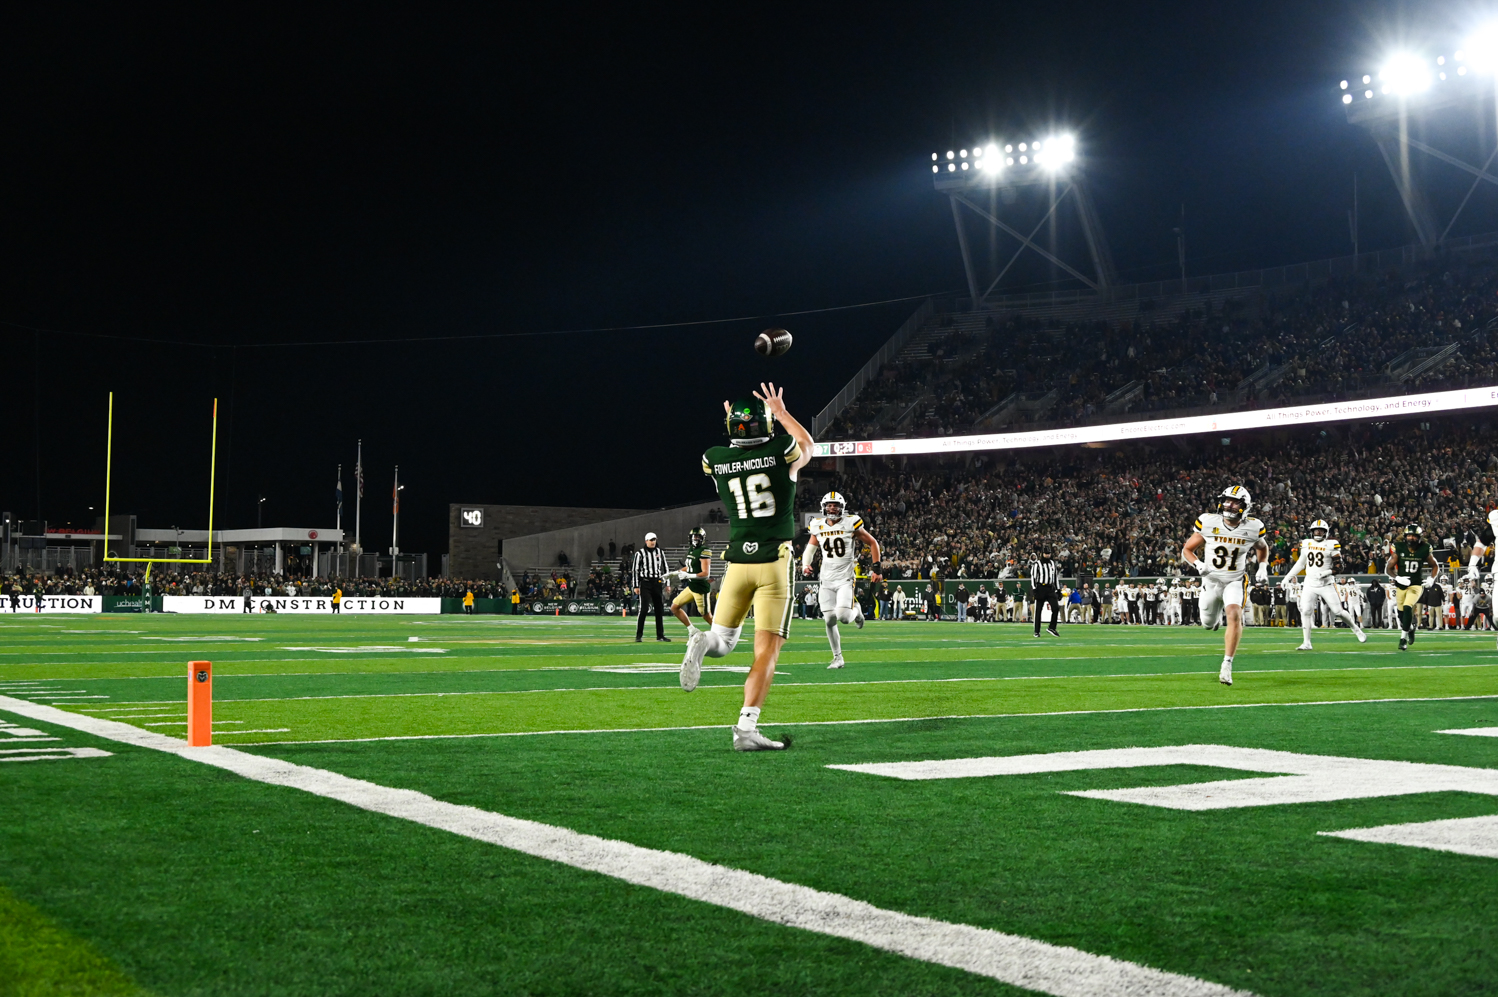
x: 789, y: 685
x: 1472, y: 731
x: 1014, y: 959
x: 883, y: 720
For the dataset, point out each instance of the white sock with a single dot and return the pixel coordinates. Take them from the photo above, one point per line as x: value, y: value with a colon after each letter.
x: 1307, y: 632
x: 834, y: 638
x: 721, y: 640
x: 1227, y: 659
x: 749, y: 718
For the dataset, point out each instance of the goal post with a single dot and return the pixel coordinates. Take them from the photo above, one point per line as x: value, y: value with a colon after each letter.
x: 108, y: 476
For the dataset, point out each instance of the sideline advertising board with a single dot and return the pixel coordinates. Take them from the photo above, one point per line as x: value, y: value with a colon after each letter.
x: 364, y: 605
x: 573, y: 607
x: 1362, y: 410
x: 55, y: 604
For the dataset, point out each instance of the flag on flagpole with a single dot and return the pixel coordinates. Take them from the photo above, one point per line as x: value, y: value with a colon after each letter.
x: 359, y: 473
x: 395, y: 497
x: 340, y: 489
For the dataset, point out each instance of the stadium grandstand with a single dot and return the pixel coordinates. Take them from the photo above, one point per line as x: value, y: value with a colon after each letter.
x: 1369, y: 326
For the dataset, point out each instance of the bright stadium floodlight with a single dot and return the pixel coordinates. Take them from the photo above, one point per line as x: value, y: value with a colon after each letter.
x: 1041, y: 168
x: 1480, y: 51
x: 1405, y: 73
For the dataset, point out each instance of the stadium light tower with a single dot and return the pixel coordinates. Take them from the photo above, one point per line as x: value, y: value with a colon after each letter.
x: 1413, y: 95
x: 1002, y: 170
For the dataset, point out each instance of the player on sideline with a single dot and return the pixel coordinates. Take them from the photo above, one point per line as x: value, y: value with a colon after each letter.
x: 1227, y: 539
x: 837, y: 534
x: 695, y: 574
x: 1321, y: 558
x: 756, y: 479
x: 1409, y: 559
x: 1487, y: 540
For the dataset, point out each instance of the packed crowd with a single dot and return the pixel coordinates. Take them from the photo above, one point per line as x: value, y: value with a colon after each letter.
x: 1334, y: 340
x: 131, y: 581
x: 1110, y: 514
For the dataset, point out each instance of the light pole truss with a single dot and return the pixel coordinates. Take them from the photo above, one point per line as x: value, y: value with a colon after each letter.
x: 1058, y: 193
x: 1390, y: 120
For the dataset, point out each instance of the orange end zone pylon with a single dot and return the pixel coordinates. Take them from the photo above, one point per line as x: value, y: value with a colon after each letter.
x: 199, y: 704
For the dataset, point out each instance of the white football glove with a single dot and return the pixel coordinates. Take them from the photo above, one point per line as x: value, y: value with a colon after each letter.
x: 1200, y: 564
x: 1263, y: 575
x: 1403, y: 581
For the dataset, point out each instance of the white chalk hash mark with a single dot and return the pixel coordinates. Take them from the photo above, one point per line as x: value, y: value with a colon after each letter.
x: 1014, y: 959
x: 1472, y: 731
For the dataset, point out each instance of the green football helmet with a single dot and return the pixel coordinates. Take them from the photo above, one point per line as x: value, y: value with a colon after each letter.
x: 697, y: 537
x: 749, y: 423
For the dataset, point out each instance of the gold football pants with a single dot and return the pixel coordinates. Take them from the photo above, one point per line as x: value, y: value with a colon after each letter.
x: 1408, y: 596
x: 687, y: 595
x: 767, y: 587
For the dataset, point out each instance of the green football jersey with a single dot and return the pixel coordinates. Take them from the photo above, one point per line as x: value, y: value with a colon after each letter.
x: 1412, y: 560
x: 759, y: 493
x: 695, y: 557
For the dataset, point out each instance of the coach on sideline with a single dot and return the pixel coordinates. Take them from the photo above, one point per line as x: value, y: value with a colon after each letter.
x: 650, y: 570
x: 1045, y: 582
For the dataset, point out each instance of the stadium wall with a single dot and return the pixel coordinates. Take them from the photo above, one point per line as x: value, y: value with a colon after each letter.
x: 581, y: 542
x: 474, y: 551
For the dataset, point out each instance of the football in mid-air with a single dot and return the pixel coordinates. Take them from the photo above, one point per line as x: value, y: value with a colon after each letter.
x: 772, y: 342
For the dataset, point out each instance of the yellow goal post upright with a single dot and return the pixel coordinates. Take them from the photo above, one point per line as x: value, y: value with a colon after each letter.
x: 108, y: 474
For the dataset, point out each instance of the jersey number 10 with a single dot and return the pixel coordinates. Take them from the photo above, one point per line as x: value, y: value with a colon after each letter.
x: 761, y: 501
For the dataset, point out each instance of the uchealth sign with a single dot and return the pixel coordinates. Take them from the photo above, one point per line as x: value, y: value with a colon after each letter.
x: 355, y: 604
x: 54, y: 604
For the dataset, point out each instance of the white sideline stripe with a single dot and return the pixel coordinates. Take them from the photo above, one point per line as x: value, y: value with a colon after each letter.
x: 1014, y: 959
x: 1463, y: 835
x: 880, y: 720
x: 1473, y: 731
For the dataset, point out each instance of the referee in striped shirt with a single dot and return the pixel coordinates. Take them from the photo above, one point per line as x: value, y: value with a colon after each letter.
x: 1045, y: 586
x: 650, y: 570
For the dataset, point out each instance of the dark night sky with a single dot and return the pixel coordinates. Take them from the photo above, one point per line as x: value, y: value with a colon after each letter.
x: 335, y: 176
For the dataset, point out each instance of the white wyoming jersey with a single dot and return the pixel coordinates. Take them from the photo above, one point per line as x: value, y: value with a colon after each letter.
x: 1229, y: 549
x: 839, y: 545
x: 1318, y: 555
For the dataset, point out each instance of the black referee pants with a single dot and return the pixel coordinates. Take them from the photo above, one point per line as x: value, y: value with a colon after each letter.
x: 650, y: 593
x: 1047, y: 595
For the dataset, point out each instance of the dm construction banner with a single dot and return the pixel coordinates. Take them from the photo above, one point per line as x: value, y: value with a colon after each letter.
x: 54, y: 604
x: 352, y: 604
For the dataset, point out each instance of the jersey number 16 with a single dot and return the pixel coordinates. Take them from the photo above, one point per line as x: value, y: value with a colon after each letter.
x: 761, y: 501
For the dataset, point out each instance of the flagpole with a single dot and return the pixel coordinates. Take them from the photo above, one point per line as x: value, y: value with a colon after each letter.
x: 359, y: 500
x: 395, y: 521
x: 341, y: 545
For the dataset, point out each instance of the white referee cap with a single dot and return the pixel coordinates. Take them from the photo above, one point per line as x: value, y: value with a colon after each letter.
x: 650, y: 536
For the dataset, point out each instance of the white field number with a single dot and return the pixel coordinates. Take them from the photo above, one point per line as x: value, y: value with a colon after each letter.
x: 761, y: 502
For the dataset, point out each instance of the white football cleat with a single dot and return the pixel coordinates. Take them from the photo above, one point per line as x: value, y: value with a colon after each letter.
x: 837, y: 662
x: 1362, y: 635
x: 858, y: 620
x: 1225, y: 673
x: 691, y: 662
x: 1306, y: 646
x: 753, y: 740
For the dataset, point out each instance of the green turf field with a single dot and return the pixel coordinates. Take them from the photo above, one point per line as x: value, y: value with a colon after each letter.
x: 153, y: 869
